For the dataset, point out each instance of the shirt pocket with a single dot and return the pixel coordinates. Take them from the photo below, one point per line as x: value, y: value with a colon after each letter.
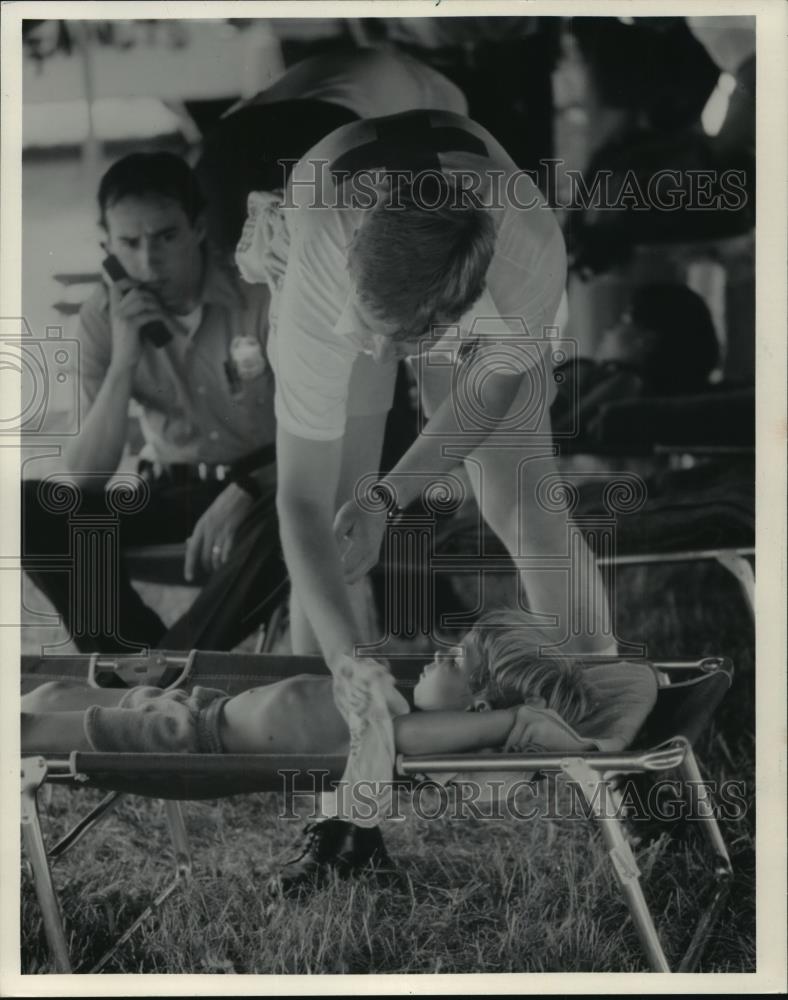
x: 252, y: 394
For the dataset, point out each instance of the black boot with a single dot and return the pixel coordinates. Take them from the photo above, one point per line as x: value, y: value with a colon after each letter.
x: 334, y: 845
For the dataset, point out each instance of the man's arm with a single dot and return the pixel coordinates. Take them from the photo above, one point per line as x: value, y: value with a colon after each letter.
x: 422, y: 464
x: 308, y: 476
x: 98, y: 447
x: 425, y: 460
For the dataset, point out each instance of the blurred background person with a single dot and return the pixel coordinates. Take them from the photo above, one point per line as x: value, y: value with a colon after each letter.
x: 666, y: 338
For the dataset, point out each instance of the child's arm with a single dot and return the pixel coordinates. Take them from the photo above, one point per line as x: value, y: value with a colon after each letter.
x: 513, y: 728
x: 544, y: 729
x: 452, y: 732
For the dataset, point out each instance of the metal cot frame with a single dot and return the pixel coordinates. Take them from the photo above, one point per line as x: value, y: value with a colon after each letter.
x: 688, y: 696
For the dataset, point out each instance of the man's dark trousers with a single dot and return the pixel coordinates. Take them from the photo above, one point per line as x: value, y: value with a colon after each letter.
x: 72, y: 549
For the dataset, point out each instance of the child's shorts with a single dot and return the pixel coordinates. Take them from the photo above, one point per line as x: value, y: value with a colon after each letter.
x: 149, y: 720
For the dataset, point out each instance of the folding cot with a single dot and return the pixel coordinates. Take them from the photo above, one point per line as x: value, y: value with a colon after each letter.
x: 688, y: 695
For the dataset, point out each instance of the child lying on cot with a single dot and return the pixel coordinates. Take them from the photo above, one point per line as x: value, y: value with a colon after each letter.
x: 496, y: 690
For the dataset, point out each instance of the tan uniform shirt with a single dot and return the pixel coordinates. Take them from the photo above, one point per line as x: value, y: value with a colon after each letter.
x: 190, y: 411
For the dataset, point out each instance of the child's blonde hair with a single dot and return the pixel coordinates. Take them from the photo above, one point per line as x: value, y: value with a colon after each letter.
x: 517, y: 665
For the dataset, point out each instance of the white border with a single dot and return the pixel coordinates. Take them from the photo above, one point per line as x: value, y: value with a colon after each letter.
x: 772, y: 211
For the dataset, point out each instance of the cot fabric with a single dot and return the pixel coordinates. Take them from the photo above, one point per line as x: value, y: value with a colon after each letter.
x: 190, y: 413
x: 150, y: 720
x: 625, y: 694
x: 370, y: 82
x: 709, y: 506
x: 321, y: 374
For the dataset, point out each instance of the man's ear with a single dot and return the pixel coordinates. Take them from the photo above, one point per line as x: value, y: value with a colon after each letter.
x: 480, y: 703
x: 102, y: 235
x: 199, y: 226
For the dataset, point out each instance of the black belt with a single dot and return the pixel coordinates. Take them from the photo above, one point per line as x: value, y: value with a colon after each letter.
x: 179, y: 473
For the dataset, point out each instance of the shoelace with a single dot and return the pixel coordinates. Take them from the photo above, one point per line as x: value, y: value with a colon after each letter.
x: 311, y: 833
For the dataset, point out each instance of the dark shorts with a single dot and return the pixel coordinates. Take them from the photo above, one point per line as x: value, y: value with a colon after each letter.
x: 149, y: 720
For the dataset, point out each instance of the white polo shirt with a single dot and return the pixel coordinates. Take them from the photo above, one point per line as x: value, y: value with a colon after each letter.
x: 371, y: 82
x: 321, y: 374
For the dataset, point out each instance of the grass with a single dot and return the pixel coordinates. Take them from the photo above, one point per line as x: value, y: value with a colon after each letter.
x: 481, y: 895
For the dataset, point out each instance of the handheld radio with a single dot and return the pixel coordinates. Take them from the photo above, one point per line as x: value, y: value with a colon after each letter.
x: 154, y: 331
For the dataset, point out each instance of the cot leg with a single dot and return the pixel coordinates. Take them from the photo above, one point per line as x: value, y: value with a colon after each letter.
x: 708, y: 919
x: 605, y: 803
x: 146, y: 913
x: 180, y: 839
x: 743, y: 572
x: 266, y: 638
x: 183, y: 869
x: 690, y: 772
x: 34, y: 771
x: 85, y: 825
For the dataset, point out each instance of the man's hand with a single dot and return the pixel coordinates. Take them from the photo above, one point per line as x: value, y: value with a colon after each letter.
x: 542, y: 729
x: 212, y: 539
x: 130, y: 308
x: 359, y: 535
x: 353, y: 681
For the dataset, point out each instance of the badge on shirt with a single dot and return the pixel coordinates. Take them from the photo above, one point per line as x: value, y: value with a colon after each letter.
x: 247, y: 358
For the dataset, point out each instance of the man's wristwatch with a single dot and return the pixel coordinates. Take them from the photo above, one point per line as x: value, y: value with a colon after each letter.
x: 394, y: 512
x: 383, y: 496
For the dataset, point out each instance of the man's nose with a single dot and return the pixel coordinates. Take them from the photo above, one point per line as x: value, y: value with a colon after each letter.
x: 149, y: 262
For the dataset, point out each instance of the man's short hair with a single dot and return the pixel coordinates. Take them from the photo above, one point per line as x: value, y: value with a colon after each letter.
x: 417, y: 265
x: 686, y: 348
x: 156, y: 173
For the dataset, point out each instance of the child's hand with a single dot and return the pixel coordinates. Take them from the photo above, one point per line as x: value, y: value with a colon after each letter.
x: 541, y: 729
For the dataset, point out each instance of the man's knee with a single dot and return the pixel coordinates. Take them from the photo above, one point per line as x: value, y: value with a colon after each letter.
x: 42, y: 516
x: 302, y: 636
x: 525, y: 527
x: 32, y: 509
x: 502, y: 515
